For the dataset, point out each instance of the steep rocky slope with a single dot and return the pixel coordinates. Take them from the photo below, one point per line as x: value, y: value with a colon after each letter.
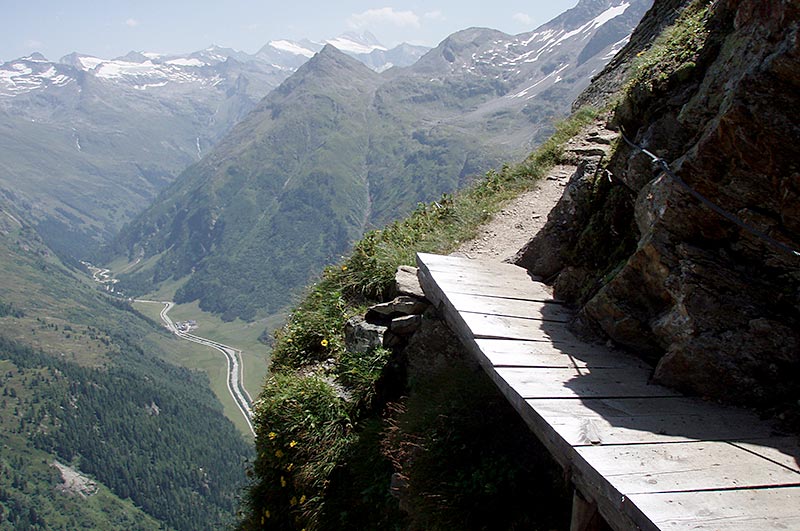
x: 715, y: 306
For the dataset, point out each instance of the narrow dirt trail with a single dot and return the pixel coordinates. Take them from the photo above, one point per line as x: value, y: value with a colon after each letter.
x: 519, y: 220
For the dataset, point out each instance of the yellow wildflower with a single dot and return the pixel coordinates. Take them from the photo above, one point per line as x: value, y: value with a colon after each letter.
x: 292, y: 444
x: 283, y: 481
x: 344, y: 268
x: 288, y: 339
x: 272, y: 435
x: 302, y: 499
x: 324, y: 342
x: 293, y: 501
x: 290, y: 467
x: 278, y: 453
x: 266, y: 513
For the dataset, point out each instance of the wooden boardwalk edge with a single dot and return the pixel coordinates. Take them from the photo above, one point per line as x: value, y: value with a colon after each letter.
x: 557, y: 446
x: 622, y: 441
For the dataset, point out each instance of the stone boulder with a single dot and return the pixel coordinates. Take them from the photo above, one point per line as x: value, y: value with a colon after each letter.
x: 407, y: 283
x: 361, y: 337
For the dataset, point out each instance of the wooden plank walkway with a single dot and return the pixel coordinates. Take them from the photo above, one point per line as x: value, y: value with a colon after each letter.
x: 642, y: 455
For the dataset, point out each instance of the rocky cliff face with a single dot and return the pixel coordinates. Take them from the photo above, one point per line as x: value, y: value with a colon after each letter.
x: 716, y: 307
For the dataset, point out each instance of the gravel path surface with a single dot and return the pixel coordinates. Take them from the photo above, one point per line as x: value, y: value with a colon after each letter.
x: 519, y: 220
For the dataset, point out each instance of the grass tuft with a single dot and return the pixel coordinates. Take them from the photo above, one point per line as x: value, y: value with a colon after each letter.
x: 674, y: 52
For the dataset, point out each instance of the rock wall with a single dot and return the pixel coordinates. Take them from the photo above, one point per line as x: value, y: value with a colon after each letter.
x: 716, y: 308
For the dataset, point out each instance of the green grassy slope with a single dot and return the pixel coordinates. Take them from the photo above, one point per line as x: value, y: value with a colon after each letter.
x: 84, y: 382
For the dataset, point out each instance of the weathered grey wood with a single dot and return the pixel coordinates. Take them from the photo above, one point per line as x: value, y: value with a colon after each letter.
x: 782, y: 450
x: 499, y: 290
x: 466, y: 276
x: 510, y: 353
x: 729, y: 510
x: 436, y: 262
x: 474, y: 278
x: 592, y: 383
x: 500, y: 327
x: 475, y: 303
x: 622, y: 440
x: 650, y: 420
x: 690, y: 466
x: 520, y: 353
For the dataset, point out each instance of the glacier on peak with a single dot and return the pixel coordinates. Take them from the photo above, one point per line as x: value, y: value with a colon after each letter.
x: 291, y: 47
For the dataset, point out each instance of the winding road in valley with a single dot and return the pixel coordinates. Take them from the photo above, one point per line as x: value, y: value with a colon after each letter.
x: 236, y: 388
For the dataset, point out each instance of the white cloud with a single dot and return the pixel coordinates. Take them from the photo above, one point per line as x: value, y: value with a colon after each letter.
x: 523, y: 18
x: 131, y: 22
x: 434, y: 15
x: 383, y: 16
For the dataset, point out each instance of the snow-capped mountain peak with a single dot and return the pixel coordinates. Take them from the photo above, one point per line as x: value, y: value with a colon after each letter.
x: 31, y: 73
x: 208, y: 67
x: 292, y: 48
x: 357, y: 43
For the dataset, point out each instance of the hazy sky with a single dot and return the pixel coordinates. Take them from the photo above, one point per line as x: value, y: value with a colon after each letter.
x: 110, y: 28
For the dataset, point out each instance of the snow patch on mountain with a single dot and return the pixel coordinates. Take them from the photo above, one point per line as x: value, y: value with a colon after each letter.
x: 291, y: 47
x: 346, y: 45
x: 531, y: 48
x: 186, y: 62
x: 619, y: 45
x: 89, y: 63
x: 364, y: 43
x: 609, y: 14
x: 151, y: 71
x: 28, y: 74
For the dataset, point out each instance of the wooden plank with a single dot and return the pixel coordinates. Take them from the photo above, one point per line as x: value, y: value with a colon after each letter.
x: 468, y: 270
x: 475, y: 303
x: 782, y: 450
x: 729, y: 510
x: 470, y: 276
x: 436, y: 262
x: 592, y: 383
x: 690, y: 466
x: 509, y: 353
x: 500, y: 327
x: 461, y: 275
x: 600, y: 418
x: 518, y: 353
x: 646, y: 420
x: 503, y: 290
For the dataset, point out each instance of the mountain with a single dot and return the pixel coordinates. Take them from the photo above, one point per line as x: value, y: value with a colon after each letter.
x: 339, y: 148
x: 98, y: 429
x: 87, y: 143
x: 364, y: 47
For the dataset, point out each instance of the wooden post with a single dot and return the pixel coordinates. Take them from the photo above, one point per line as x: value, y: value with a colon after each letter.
x: 584, y: 514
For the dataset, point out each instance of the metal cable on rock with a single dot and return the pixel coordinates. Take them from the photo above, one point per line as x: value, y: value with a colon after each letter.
x: 663, y: 165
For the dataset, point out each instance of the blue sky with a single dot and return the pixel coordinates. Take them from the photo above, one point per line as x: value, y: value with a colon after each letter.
x: 110, y: 28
